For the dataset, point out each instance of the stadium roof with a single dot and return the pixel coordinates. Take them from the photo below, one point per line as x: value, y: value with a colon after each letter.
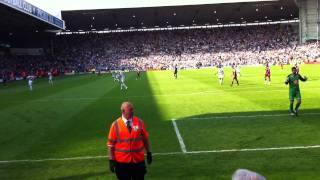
x: 20, y: 16
x: 175, y: 16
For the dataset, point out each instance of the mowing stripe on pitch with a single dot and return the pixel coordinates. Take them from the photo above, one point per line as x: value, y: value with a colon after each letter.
x: 53, y: 159
x: 167, y: 153
x: 247, y: 116
x: 201, y: 93
x: 176, y: 129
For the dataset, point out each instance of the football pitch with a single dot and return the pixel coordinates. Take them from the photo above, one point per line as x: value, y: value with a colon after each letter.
x: 198, y: 129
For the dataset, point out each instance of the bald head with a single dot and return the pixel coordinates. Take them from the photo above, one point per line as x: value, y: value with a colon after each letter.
x: 127, y: 110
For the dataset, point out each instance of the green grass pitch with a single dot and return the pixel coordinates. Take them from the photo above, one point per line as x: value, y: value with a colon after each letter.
x: 72, y: 119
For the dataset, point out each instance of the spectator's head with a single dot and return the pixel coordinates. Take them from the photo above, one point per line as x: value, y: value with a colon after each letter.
x: 244, y: 174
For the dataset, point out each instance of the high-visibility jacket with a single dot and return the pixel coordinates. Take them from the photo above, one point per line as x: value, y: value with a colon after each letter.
x: 128, y: 147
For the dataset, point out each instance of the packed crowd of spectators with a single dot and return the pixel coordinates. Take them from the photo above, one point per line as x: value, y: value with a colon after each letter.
x: 189, y: 48
x: 12, y: 67
x: 250, y: 45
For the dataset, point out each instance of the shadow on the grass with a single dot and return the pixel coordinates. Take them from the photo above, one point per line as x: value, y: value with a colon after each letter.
x: 85, y: 133
x: 81, y: 176
x: 42, y: 91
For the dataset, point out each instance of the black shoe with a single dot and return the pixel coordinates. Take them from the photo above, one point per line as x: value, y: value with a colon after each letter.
x: 296, y: 112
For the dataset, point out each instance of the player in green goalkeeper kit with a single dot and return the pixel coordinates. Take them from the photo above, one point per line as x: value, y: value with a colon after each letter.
x: 294, y: 90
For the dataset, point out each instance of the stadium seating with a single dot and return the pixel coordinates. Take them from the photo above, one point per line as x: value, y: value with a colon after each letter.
x: 251, y: 45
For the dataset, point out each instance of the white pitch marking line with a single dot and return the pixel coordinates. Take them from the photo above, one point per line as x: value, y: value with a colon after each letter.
x: 176, y: 129
x: 168, y: 153
x: 248, y: 116
x: 255, y: 149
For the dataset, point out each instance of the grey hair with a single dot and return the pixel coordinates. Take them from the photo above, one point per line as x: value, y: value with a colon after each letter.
x: 127, y: 103
x: 244, y: 174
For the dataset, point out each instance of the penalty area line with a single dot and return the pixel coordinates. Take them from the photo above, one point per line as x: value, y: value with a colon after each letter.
x: 247, y: 116
x: 167, y: 153
x: 180, y: 139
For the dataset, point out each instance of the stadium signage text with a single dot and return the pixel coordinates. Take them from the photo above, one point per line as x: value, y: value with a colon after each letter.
x: 33, y: 10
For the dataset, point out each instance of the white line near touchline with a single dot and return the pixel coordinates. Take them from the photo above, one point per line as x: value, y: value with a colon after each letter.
x: 246, y: 116
x: 181, y: 142
x: 167, y: 153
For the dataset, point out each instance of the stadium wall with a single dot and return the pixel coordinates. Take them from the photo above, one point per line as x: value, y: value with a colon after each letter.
x: 309, y: 20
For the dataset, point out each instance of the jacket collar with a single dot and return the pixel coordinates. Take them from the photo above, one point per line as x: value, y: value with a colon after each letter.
x: 125, y: 120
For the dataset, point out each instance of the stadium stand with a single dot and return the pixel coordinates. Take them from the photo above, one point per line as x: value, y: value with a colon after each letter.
x: 25, y: 35
x: 74, y: 50
x: 250, y: 45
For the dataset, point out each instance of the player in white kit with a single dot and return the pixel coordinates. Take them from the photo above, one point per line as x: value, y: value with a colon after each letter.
x: 118, y: 76
x: 30, y: 82
x: 50, y: 78
x: 122, y: 79
x: 114, y: 75
x: 238, y: 70
x: 220, y: 75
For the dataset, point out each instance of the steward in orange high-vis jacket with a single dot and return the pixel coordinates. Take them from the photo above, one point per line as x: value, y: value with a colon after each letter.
x: 127, y: 142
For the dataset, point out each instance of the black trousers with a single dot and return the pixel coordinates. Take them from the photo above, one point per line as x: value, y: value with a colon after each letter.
x: 131, y: 171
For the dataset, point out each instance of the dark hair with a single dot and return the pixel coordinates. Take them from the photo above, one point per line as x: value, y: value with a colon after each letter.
x: 293, y: 68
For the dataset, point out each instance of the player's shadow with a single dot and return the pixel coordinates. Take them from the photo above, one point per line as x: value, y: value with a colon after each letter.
x: 81, y: 176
